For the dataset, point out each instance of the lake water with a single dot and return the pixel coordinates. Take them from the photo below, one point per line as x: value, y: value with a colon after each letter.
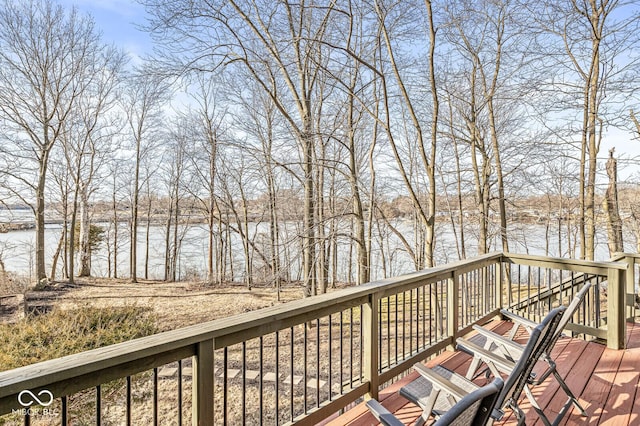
x: 17, y: 249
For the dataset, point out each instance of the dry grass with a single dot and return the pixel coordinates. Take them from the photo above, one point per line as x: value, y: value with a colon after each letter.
x: 82, y: 308
x: 175, y: 304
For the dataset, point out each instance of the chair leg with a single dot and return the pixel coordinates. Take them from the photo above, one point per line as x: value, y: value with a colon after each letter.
x: 536, y: 406
x: 420, y: 421
x: 570, y: 394
x: 473, y: 367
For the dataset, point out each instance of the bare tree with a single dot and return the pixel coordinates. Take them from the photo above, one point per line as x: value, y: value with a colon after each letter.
x: 142, y: 102
x: 278, y: 44
x: 595, y: 73
x: 87, y: 142
x: 173, y: 174
x: 46, y: 57
x: 207, y: 129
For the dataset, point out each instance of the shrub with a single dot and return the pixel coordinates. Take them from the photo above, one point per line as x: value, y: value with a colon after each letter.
x: 63, y: 332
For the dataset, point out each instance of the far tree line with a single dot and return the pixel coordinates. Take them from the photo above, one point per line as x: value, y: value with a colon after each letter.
x: 323, y: 111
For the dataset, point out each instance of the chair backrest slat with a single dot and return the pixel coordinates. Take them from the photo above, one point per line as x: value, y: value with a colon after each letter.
x: 541, y: 339
x: 571, y: 310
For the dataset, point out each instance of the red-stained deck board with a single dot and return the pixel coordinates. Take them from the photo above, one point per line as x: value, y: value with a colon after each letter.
x: 402, y: 408
x: 575, y: 365
x: 624, y: 393
x: 606, y: 381
x: 406, y: 411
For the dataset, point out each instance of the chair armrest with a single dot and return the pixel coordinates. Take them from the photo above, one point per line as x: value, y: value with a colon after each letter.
x: 440, y: 381
x: 517, y: 319
x: 383, y: 415
x: 500, y: 340
x: 500, y: 362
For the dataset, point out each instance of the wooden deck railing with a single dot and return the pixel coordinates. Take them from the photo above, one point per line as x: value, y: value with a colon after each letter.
x: 303, y: 361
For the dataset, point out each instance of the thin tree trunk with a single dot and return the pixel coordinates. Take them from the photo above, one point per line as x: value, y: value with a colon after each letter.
x: 167, y: 242
x: 133, y: 253
x: 85, y: 232
x: 147, y: 236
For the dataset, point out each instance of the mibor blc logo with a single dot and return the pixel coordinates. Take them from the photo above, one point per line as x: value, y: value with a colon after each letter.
x: 36, y: 404
x: 43, y: 398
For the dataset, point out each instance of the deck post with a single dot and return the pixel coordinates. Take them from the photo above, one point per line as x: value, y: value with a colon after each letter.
x: 370, y: 340
x: 497, y: 283
x: 616, y: 298
x: 503, y: 282
x: 202, y: 385
x: 453, y: 306
x: 631, y: 288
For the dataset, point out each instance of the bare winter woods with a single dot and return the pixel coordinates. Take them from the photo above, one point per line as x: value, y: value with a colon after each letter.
x: 304, y: 135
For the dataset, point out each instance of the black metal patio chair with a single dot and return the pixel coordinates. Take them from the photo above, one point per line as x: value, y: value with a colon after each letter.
x: 499, y: 345
x: 472, y: 409
x: 437, y: 389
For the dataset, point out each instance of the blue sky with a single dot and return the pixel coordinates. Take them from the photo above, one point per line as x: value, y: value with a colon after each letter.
x: 117, y: 19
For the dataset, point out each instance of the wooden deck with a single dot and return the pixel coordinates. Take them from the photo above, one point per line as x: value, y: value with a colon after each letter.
x: 607, y: 381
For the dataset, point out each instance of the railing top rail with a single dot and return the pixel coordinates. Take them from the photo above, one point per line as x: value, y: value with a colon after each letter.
x: 620, y: 256
x: 108, y: 357
x: 578, y: 265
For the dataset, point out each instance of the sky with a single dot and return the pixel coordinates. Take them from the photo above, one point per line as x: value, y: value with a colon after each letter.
x: 119, y: 21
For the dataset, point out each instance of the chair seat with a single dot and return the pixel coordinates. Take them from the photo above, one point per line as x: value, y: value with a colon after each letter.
x: 419, y: 390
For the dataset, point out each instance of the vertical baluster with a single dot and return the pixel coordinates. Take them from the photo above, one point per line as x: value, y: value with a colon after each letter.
x: 341, y: 350
x: 597, y: 302
x: 261, y: 382
x: 495, y: 287
x: 410, y: 322
x: 180, y: 392
x: 539, y: 286
x: 417, y: 313
x: 317, y: 362
x: 380, y: 330
x: 424, y: 319
x: 128, y: 401
x: 225, y: 384
x: 351, y: 346
x: 330, y: 363
x: 304, y: 370
x: 361, y: 351
x: 388, y: 334
x: 403, y: 324
x: 98, y: 406
x: 396, y: 329
x: 277, y: 383
x: 471, y: 285
x: 65, y: 411
x: 244, y: 382
x: 155, y: 396
x: 519, y: 285
x: 433, y: 311
x: 475, y: 279
x: 291, y: 371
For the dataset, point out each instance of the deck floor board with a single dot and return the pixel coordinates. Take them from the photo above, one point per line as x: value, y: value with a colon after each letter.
x: 606, y: 381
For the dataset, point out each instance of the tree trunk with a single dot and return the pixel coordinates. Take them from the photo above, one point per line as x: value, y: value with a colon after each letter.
x: 85, y: 230
x: 115, y: 232
x: 147, y: 236
x: 41, y: 273
x: 309, y: 234
x: 133, y: 253
x: 167, y: 242
x: 610, y: 204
